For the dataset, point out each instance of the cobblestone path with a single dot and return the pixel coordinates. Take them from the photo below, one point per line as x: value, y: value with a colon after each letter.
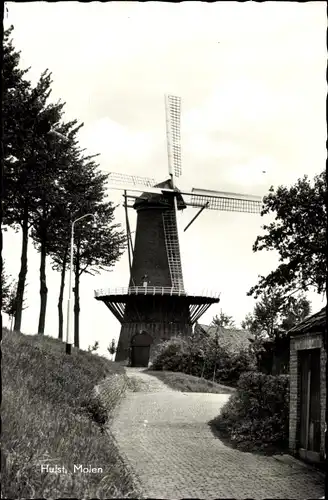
x: 164, y: 436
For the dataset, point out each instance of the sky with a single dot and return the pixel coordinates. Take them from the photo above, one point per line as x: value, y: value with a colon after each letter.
x: 252, y: 79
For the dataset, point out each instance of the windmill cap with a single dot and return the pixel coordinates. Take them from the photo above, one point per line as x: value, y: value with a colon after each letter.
x: 154, y: 200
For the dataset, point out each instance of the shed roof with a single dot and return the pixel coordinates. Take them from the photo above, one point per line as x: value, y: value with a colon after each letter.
x: 315, y: 323
x: 232, y: 338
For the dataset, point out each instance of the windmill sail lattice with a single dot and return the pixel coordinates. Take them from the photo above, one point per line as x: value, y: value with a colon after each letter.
x: 173, y: 130
x: 226, y: 204
x: 173, y: 249
x: 130, y: 180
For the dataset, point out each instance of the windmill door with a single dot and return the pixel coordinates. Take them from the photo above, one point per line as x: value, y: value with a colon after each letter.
x: 310, y: 430
x: 140, y: 349
x: 140, y: 355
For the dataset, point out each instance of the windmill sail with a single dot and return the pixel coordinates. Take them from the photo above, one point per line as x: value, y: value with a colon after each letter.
x: 173, y: 113
x: 133, y: 180
x: 214, y: 200
x: 230, y: 202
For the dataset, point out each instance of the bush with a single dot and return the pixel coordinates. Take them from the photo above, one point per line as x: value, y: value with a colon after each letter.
x: 171, y: 355
x: 202, y: 357
x: 258, y: 413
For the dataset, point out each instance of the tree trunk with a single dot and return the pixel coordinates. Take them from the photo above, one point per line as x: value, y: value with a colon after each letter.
x: 43, y: 287
x: 61, y: 296
x: 214, y: 371
x: 22, y: 273
x: 77, y: 299
x: 203, y: 369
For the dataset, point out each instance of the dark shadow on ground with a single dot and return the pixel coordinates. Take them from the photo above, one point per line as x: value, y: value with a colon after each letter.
x: 247, y: 446
x: 269, y: 451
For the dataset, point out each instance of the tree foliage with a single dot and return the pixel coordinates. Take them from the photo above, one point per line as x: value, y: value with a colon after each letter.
x: 94, y: 347
x: 28, y: 153
x: 112, y: 347
x: 8, y: 293
x: 274, y: 314
x: 58, y: 159
x: 298, y: 234
x: 223, y: 320
x: 15, y: 89
x: 9, y: 305
x: 6, y: 281
x: 49, y: 183
x: 15, y: 111
x: 98, y: 247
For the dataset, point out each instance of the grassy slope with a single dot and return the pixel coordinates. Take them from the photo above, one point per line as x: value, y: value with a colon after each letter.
x: 42, y: 422
x: 188, y: 383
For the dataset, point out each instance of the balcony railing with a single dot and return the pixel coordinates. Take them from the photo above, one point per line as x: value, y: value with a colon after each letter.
x: 152, y: 290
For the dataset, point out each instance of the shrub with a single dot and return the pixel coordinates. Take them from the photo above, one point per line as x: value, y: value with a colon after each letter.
x: 258, y: 413
x: 171, y: 355
x: 202, y: 356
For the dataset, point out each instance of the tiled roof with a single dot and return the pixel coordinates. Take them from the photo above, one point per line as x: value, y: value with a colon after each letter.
x: 317, y: 322
x: 232, y: 338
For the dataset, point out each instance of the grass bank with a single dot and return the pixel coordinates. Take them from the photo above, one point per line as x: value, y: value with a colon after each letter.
x: 50, y: 417
x: 188, y: 383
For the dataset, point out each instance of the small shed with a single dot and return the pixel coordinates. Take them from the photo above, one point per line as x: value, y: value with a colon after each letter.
x: 308, y: 388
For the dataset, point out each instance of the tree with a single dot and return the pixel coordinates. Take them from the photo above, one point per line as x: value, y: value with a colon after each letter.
x: 223, y: 320
x: 248, y: 322
x: 8, y: 294
x: 61, y: 265
x: 274, y: 314
x: 15, y: 103
x: 28, y: 153
x: 83, y: 190
x: 9, y: 307
x: 58, y: 161
x: 94, y: 348
x: 14, y: 87
x: 74, y: 201
x: 295, y: 310
x: 298, y: 234
x: 32, y: 160
x: 96, y: 249
x: 5, y: 284
x: 112, y: 347
x: 266, y: 316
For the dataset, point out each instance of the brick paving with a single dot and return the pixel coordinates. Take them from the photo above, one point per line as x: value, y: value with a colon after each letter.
x: 165, y: 438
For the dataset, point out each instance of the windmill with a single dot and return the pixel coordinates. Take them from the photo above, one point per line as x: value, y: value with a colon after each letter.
x: 155, y: 305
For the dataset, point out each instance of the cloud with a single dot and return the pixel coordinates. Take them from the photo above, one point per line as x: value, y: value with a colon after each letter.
x: 118, y: 146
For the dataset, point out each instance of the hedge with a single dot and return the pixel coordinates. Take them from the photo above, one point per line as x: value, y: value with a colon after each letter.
x: 258, y: 412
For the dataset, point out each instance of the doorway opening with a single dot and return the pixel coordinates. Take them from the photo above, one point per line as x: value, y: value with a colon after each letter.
x: 309, y: 424
x: 140, y: 349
